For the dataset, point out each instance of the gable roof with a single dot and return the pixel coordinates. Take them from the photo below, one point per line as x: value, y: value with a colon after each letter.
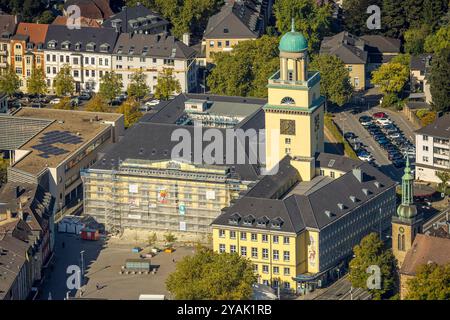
x: 8, y: 25
x: 382, y: 44
x: 83, y: 36
x: 235, y: 20
x: 93, y: 9
x: 156, y: 45
x: 350, y: 49
x: 439, y: 128
x: 85, y: 22
x: 426, y: 249
x: 34, y: 32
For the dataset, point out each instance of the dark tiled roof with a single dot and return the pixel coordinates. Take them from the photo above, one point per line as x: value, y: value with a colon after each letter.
x: 439, y: 128
x: 236, y: 20
x: 83, y: 37
x: 350, y: 49
x: 8, y: 25
x: 145, y: 19
x: 382, y: 44
x: 336, y: 162
x: 419, y: 62
x: 426, y: 249
x: 155, y: 45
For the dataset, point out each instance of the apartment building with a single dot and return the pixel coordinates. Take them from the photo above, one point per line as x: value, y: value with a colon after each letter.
x: 87, y: 50
x: 237, y: 21
x: 433, y: 149
x: 27, y: 50
x: 418, y: 68
x: 50, y: 147
x: 8, y: 25
x: 98, y: 10
x: 152, y: 53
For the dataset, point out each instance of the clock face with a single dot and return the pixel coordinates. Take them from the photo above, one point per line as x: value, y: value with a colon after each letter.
x: 401, y: 229
x: 287, y: 127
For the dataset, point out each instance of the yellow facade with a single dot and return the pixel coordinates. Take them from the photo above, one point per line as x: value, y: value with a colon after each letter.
x: 357, y: 74
x: 221, y: 45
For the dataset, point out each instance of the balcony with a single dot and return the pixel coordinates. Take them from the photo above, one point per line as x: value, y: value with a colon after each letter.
x: 313, y: 78
x: 3, y: 52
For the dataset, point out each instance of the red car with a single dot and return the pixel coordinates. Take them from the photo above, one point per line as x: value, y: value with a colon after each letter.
x: 380, y: 115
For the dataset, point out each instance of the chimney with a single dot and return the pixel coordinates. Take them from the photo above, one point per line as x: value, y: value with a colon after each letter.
x: 187, y: 39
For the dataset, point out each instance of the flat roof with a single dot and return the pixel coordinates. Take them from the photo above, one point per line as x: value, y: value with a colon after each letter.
x: 69, y: 131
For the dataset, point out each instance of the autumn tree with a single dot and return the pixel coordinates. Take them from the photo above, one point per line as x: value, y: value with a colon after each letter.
x: 335, y: 80
x: 97, y: 104
x: 65, y: 104
x: 311, y: 19
x: 415, y: 39
x: 36, y: 83
x: 438, y: 41
x: 167, y: 84
x: 152, y: 238
x: 138, y: 87
x: 170, y: 238
x: 208, y: 275
x: 4, y: 163
x: 64, y: 84
x: 432, y: 282
x: 130, y: 111
x: 444, y: 176
x: 371, y: 252
x: 110, y: 86
x: 244, y: 71
x: 9, y: 82
x: 391, y: 77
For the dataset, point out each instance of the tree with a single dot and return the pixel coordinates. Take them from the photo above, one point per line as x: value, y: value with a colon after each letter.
x: 110, y: 86
x: 209, y: 275
x: 65, y: 104
x: 355, y: 16
x: 311, y: 19
x: 391, y: 77
x: 9, y: 82
x: 434, y: 43
x: 393, y: 19
x: 335, y: 81
x: 130, y: 111
x: 244, y: 71
x: 138, y: 87
x: 46, y: 17
x: 97, y: 104
x: 413, y: 13
x: 3, y: 170
x: 152, y: 238
x: 433, y: 11
x: 167, y: 84
x: 371, y: 252
x: 169, y: 238
x: 432, y: 282
x: 64, y: 84
x: 439, y: 79
x: 36, y: 83
x: 415, y: 39
x: 444, y: 176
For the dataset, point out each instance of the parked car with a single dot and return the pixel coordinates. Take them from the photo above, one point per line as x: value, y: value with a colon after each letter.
x: 384, y: 121
x: 394, y: 135
x: 36, y: 105
x: 380, y: 115
x: 152, y: 103
x: 84, y: 96
x: 365, y: 120
x: 55, y: 101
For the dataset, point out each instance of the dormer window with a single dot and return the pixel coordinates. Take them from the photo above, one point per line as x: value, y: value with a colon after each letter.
x: 276, y: 223
x: 65, y: 45
x: 104, y: 47
x: 29, y: 46
x: 77, y: 46
x: 249, y: 220
x: 131, y: 50
x: 90, y: 46
x: 262, y: 222
x: 234, y: 218
x: 225, y: 30
x: 51, y: 44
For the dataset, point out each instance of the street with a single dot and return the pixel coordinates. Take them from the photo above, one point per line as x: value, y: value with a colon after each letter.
x: 342, y: 290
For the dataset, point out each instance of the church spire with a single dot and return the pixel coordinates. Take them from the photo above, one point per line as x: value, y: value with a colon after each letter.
x: 407, y: 209
x: 292, y: 24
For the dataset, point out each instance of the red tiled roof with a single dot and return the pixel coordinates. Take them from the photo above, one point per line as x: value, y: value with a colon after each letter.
x: 85, y: 22
x: 36, y: 32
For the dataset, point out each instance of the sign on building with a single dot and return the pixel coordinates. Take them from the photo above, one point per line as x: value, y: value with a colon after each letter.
x: 133, y: 188
x: 210, y: 195
x: 182, y: 226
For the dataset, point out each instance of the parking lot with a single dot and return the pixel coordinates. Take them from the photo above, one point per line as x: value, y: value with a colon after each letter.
x: 348, y: 122
x: 103, y: 260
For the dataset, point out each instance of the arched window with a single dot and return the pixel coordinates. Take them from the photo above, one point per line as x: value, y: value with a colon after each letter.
x: 287, y: 100
x: 403, y: 242
x: 399, y: 242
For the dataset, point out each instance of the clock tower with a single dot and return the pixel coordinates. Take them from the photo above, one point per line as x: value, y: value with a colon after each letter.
x: 295, y: 109
x: 407, y: 223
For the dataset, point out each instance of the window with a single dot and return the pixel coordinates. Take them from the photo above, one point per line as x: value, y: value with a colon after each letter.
x: 287, y: 150
x: 76, y: 73
x: 19, y: 70
x: 75, y: 60
x: 332, y: 174
x: 18, y: 58
x: 287, y: 100
x: 211, y: 44
x: 48, y: 57
x: 287, y: 285
x: 290, y: 75
x: 92, y: 60
x: 61, y: 58
x: 276, y: 255
x: 28, y: 60
x: 243, y: 236
x: 28, y: 72
x: 425, y: 148
x: 232, y: 234
x: 244, y: 251
x: 287, y: 271
x: 227, y: 43
x: 322, y: 172
x: 265, y: 253
x: 232, y: 248
x: 265, y: 268
x: 287, y: 140
x: 255, y: 253
x: 154, y: 60
x: 286, y: 256
x: 86, y: 72
x: 221, y: 233
x: 254, y: 237
x: 350, y: 68
x: 67, y: 59
x: 425, y: 138
x: 54, y: 70
x: 221, y: 248
x: 265, y: 238
x: 425, y: 159
x: 356, y: 82
x: 255, y: 268
x: 286, y: 240
x: 48, y: 70
x: 54, y: 58
x: 275, y: 239
x: 92, y: 73
x: 219, y: 44
x: 276, y: 270
x: 86, y: 60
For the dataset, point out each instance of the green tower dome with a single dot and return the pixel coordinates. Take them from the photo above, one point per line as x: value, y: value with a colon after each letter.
x: 293, y: 41
x: 407, y: 209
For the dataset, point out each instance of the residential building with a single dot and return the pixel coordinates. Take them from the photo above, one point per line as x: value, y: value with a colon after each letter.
x: 320, y: 204
x: 237, y: 21
x: 25, y: 238
x: 50, y: 147
x: 8, y: 25
x: 150, y: 54
x: 361, y: 55
x: 27, y: 50
x: 433, y: 149
x: 98, y: 10
x: 137, y: 19
x: 419, y: 66
x: 88, y: 52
